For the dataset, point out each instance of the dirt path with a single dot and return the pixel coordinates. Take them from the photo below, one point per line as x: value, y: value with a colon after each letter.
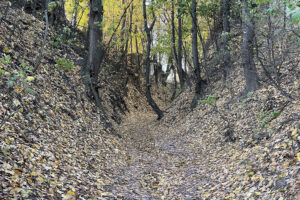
x: 163, y: 163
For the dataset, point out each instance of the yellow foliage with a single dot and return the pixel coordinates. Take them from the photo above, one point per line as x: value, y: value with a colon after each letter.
x: 113, y: 10
x: 6, y: 50
x: 298, y: 156
x: 40, y: 179
x: 70, y: 192
x: 81, y: 11
x: 30, y: 78
x: 294, y: 134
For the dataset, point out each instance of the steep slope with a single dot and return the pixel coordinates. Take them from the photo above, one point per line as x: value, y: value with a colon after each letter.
x: 223, y: 152
x: 52, y: 142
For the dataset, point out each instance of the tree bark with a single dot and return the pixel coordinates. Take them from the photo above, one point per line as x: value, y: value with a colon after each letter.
x: 173, y: 34
x: 38, y: 60
x: 148, y: 84
x: 226, y: 59
x: 177, y: 57
x: 248, y: 64
x: 175, y: 83
x: 181, y: 73
x: 197, y: 71
x: 95, y: 56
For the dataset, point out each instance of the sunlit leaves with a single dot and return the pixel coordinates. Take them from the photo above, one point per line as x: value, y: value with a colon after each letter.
x: 29, y: 78
x: 79, y: 8
x: 51, y: 6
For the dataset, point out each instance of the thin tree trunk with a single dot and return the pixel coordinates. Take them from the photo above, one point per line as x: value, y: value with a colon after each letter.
x: 179, y: 55
x: 198, y: 79
x: 148, y: 85
x: 123, y: 46
x: 250, y: 72
x: 129, y: 32
x: 173, y: 33
x: 38, y: 60
x: 226, y: 60
x: 137, y: 45
x: 204, y: 51
x: 175, y: 83
x: 177, y: 58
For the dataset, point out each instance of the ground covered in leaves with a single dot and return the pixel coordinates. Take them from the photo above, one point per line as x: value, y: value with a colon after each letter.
x: 53, y: 144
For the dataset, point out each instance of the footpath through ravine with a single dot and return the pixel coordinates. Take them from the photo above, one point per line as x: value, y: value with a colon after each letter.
x: 165, y: 162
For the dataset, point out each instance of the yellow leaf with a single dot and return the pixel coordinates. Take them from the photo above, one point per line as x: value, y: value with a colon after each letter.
x: 19, y: 89
x: 247, y: 178
x: 33, y: 173
x: 6, y: 50
x: 261, y: 178
x: 53, y: 183
x: 282, y: 175
x: 33, y: 150
x: 40, y: 179
x: 206, y: 195
x: 30, y: 78
x: 266, y: 149
x: 29, y: 181
x: 255, y: 178
x: 71, y: 193
x: 238, y: 190
x: 16, y: 102
x: 298, y: 156
x: 7, y: 141
x: 55, y: 164
x: 294, y: 134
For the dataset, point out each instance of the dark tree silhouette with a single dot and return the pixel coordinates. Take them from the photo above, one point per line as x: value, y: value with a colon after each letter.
x: 148, y: 30
x: 95, y: 56
x: 250, y: 72
x: 195, y: 54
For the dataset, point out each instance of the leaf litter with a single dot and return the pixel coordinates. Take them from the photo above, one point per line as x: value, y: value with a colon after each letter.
x: 53, y: 145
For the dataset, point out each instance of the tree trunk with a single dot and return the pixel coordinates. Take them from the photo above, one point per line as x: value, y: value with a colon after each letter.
x: 226, y: 60
x: 250, y: 72
x: 173, y: 34
x: 123, y: 38
x: 179, y: 55
x: 148, y: 85
x: 95, y: 55
x: 175, y: 83
x: 137, y: 46
x: 198, y: 79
